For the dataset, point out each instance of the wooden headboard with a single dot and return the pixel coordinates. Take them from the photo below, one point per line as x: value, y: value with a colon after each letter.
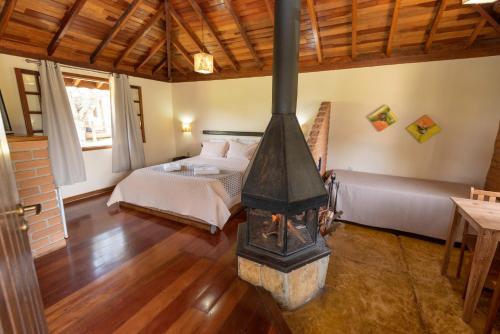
x: 493, y: 177
x: 233, y: 133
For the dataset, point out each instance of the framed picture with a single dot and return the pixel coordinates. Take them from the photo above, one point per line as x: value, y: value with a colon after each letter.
x: 5, y: 116
x: 423, y: 129
x: 382, y: 118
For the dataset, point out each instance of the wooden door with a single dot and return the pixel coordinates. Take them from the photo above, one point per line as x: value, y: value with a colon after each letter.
x: 21, y: 308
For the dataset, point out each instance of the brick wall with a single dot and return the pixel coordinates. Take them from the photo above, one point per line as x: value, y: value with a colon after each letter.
x: 35, y: 184
x: 493, y: 177
x: 318, y: 136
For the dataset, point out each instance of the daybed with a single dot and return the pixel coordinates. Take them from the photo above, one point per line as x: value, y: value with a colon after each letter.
x: 405, y: 204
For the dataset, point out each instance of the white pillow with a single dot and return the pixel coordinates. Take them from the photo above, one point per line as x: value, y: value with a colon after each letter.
x: 214, y: 149
x: 240, y: 150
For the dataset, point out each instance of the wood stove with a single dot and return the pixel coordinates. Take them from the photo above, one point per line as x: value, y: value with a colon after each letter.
x: 282, y: 188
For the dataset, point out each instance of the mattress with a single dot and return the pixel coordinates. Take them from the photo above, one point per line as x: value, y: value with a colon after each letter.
x: 405, y: 204
x: 207, y: 198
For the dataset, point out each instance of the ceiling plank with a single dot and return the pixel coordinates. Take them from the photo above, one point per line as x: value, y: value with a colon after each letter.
x: 183, y: 53
x: 7, y: 10
x: 178, y: 67
x: 354, y: 35
x: 159, y: 13
x: 211, y: 29
x: 435, y: 23
x: 315, y: 30
x: 488, y: 17
x: 270, y: 10
x: 69, y: 17
x: 243, y: 32
x: 477, y: 30
x: 151, y: 53
x: 168, y: 37
x: 116, y: 28
x: 185, y: 28
x: 160, y: 66
x: 394, y: 28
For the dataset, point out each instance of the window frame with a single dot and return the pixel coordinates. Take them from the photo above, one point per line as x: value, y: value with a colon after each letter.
x: 141, y: 111
x: 27, y: 113
x: 23, y: 94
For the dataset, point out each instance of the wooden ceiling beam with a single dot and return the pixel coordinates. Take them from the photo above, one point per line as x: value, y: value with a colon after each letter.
x: 159, y: 13
x: 243, y: 32
x: 185, y: 28
x: 183, y: 53
x: 212, y: 31
x: 116, y: 28
x: 270, y: 10
x: 7, y: 11
x: 394, y: 28
x: 168, y: 37
x: 354, y: 34
x: 488, y: 17
x: 178, y: 67
x: 151, y: 53
x: 477, y: 30
x: 315, y: 30
x: 435, y: 23
x: 160, y: 66
x: 66, y: 22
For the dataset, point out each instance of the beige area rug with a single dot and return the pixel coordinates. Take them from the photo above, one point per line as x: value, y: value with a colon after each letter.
x: 380, y: 283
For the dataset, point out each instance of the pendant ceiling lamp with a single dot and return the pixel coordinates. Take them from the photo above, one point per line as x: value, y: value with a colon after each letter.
x: 203, y: 61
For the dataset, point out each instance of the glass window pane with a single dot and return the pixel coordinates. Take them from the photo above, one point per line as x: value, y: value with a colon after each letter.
x: 92, y: 113
x: 33, y: 102
x: 38, y: 134
x: 135, y: 94
x: 30, y: 83
x: 36, y: 121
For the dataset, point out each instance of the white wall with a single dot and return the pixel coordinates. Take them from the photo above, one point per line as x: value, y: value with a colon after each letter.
x: 462, y: 96
x: 158, y: 123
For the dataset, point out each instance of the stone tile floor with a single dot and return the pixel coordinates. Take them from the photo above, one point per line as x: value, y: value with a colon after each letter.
x: 379, y: 282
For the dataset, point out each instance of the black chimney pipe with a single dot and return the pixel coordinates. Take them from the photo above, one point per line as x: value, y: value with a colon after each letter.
x: 282, y: 177
x: 286, y: 56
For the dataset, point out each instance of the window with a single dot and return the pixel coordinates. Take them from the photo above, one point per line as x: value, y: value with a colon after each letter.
x: 90, y: 103
x: 29, y: 90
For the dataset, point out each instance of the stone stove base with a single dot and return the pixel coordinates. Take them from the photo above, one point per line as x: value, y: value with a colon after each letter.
x: 292, y: 289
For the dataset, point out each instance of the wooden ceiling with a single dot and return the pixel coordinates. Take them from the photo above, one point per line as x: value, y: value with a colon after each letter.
x: 133, y: 37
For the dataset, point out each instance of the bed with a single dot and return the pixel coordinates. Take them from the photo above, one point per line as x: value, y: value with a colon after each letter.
x: 411, y: 205
x: 205, y: 201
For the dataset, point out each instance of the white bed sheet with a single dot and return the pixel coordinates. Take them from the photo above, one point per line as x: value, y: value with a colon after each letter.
x: 405, y: 204
x: 199, y: 197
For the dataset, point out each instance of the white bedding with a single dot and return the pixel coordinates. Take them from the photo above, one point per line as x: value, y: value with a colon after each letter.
x: 203, y: 198
x: 405, y: 204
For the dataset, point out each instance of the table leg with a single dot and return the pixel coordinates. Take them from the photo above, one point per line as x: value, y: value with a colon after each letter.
x: 483, y: 256
x: 452, y: 236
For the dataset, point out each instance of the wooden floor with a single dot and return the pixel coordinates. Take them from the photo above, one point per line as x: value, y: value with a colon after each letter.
x: 130, y: 272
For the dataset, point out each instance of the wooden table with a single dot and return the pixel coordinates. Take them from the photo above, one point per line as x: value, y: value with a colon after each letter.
x: 484, y: 218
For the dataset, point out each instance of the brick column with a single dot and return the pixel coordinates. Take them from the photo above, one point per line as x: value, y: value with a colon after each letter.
x: 493, y: 177
x: 318, y: 136
x: 35, y: 184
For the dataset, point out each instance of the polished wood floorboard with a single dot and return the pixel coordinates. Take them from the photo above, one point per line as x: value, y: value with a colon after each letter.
x: 129, y: 272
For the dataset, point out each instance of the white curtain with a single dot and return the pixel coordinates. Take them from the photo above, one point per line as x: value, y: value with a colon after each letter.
x: 127, y: 149
x: 58, y: 124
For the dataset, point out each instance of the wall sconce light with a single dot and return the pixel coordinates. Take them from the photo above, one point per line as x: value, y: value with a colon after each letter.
x: 476, y: 2
x: 186, y: 127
